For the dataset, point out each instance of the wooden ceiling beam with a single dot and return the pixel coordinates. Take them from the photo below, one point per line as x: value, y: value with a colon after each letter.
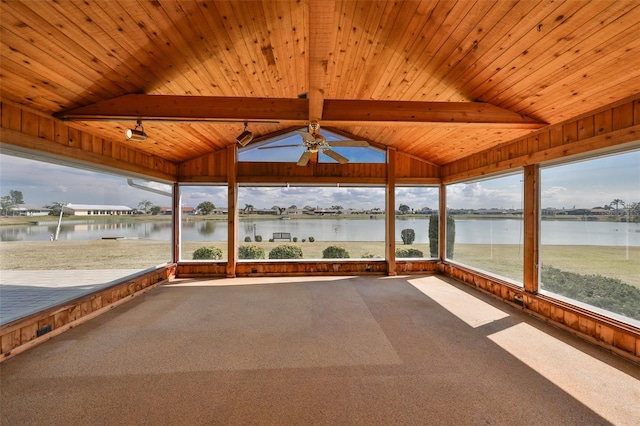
x: 191, y: 108
x: 321, y: 36
x: 337, y: 111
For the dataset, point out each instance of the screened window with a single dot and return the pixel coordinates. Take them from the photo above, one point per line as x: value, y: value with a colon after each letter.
x: 204, y: 222
x: 416, y: 227
x: 84, y: 228
x: 590, y: 234
x: 485, y: 225
x: 311, y: 222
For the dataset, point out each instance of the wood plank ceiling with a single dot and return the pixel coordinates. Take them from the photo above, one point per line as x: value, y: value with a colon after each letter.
x: 439, y: 80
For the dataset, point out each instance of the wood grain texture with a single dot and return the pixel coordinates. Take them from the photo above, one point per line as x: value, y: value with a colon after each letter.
x: 535, y: 61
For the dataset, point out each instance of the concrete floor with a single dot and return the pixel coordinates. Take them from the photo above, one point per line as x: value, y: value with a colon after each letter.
x: 318, y: 350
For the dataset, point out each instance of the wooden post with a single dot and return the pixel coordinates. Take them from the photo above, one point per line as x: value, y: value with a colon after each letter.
x: 442, y: 223
x: 176, y: 221
x: 390, y: 207
x: 232, y: 214
x: 531, y: 227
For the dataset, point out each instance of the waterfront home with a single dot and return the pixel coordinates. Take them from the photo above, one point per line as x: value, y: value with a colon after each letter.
x: 96, y: 210
x: 28, y: 210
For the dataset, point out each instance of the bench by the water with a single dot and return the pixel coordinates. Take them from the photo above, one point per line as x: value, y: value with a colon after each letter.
x: 281, y: 236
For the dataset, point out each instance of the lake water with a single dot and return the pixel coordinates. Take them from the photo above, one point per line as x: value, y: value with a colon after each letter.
x: 468, y: 231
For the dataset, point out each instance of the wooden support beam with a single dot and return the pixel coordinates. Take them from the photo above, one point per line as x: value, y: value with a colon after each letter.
x: 191, y: 108
x: 232, y: 212
x: 341, y: 110
x: 390, y: 207
x: 176, y: 220
x: 442, y: 223
x: 531, y: 227
x: 329, y: 111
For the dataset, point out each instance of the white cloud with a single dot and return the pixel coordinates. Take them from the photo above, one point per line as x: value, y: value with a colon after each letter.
x: 584, y: 184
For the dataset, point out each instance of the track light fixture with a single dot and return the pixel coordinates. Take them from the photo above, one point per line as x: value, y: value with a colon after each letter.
x: 245, y: 137
x: 137, y: 133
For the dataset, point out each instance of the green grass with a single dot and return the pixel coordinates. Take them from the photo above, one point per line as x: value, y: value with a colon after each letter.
x: 506, y: 260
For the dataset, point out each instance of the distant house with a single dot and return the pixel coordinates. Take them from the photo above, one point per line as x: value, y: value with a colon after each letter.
x: 28, y: 210
x: 96, y: 210
x: 167, y: 211
x: 266, y: 211
x: 220, y: 210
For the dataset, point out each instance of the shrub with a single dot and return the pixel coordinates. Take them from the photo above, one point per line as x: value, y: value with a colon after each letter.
x: 270, y: 240
x: 285, y: 251
x: 368, y: 255
x: 608, y: 293
x: 335, y: 252
x: 258, y: 238
x: 207, y: 253
x: 295, y: 239
x: 402, y: 252
x: 311, y: 239
x: 433, y: 235
x: 304, y: 240
x: 408, y: 236
x: 247, y: 239
x: 250, y: 252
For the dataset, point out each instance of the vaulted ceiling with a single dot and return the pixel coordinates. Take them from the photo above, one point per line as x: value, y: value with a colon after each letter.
x: 439, y: 80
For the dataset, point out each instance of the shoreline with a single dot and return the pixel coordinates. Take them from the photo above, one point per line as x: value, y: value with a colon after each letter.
x: 50, y: 220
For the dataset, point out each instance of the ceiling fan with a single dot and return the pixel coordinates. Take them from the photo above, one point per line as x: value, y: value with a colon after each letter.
x: 315, y: 142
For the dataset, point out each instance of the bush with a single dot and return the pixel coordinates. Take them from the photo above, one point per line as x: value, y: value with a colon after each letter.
x: 408, y: 236
x: 402, y: 252
x: 311, y: 239
x: 335, y: 252
x: 304, y: 240
x: 286, y: 251
x: 207, y: 253
x: 603, y: 292
x: 247, y: 239
x: 368, y: 255
x: 270, y: 240
x: 295, y: 239
x: 258, y: 238
x: 250, y: 252
x: 433, y: 235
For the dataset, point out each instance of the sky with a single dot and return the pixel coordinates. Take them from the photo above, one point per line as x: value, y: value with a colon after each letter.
x: 584, y: 184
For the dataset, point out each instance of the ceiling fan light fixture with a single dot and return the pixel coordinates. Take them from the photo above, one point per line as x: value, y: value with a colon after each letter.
x: 245, y: 137
x: 137, y: 133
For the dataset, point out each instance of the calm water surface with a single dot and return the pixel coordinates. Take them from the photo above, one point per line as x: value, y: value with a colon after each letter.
x: 468, y: 231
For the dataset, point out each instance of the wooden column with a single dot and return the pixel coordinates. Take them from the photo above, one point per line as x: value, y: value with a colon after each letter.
x: 390, y: 207
x: 531, y: 227
x: 442, y: 222
x: 232, y: 214
x: 176, y: 220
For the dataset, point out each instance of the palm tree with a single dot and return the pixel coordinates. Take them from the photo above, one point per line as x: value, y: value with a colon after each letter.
x: 145, y: 206
x: 248, y: 208
x: 617, y: 202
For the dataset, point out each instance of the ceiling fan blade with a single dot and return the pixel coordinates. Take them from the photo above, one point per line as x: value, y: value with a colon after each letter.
x: 306, y: 136
x: 304, y: 158
x: 280, y: 146
x: 339, y: 158
x: 348, y: 143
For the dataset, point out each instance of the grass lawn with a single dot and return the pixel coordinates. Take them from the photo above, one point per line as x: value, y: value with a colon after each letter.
x: 505, y: 260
